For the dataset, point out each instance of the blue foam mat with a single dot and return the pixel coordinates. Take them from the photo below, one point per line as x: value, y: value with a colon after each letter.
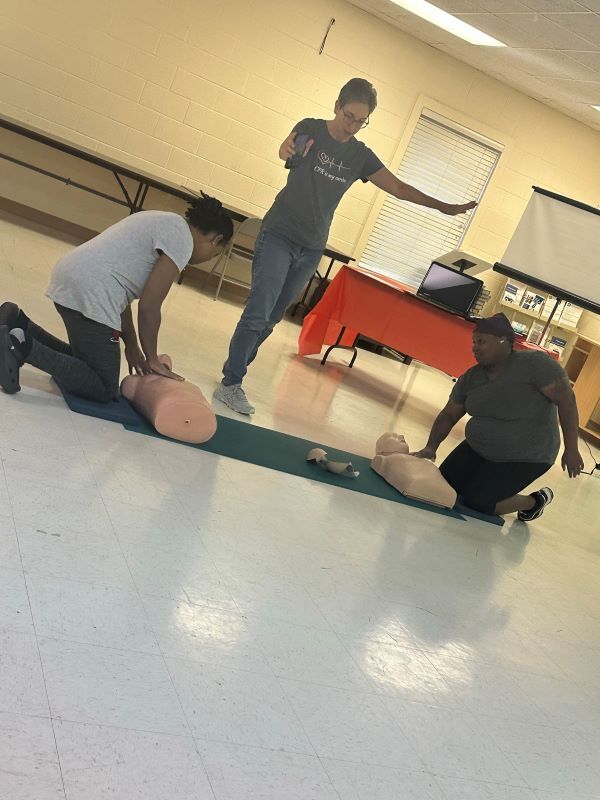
x: 493, y: 519
x: 121, y: 411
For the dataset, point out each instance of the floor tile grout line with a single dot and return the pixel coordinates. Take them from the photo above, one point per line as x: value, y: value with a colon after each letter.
x: 162, y: 656
x: 37, y: 644
x: 218, y: 572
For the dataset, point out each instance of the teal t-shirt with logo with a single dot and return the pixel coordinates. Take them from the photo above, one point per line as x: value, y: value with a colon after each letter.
x: 304, y: 208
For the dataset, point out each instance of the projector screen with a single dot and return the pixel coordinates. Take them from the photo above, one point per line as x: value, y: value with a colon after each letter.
x: 556, y: 247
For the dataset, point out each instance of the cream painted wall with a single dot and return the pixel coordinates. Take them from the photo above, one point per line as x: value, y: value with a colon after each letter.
x: 202, y: 93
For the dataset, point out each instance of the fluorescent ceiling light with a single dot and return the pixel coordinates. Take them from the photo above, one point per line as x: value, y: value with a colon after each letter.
x: 449, y: 23
x: 596, y: 107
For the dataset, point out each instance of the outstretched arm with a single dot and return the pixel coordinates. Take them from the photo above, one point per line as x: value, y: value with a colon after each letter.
x: 444, y: 422
x: 386, y: 180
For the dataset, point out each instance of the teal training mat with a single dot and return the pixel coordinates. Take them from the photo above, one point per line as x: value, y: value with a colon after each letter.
x: 273, y: 450
x: 280, y: 451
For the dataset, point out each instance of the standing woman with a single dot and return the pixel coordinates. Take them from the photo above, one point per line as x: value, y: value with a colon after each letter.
x: 93, y: 287
x: 327, y: 159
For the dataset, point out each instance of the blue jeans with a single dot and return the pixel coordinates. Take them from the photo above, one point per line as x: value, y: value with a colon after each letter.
x: 280, y: 269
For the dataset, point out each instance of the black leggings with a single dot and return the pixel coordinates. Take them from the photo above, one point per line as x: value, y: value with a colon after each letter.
x: 89, y: 366
x: 482, y: 484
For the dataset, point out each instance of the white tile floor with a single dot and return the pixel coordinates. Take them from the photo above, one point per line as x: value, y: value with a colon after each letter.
x: 179, y: 626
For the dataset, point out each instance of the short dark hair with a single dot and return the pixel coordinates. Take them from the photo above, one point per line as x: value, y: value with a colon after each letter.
x: 358, y: 90
x: 208, y: 216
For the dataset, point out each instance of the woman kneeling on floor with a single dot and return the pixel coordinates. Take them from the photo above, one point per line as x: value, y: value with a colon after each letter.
x: 93, y: 287
x: 513, y: 435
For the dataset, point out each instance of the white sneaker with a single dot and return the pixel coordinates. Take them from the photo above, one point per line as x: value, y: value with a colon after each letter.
x: 234, y: 397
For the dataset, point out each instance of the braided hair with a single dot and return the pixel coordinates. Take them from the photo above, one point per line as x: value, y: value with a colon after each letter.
x: 208, y: 216
x: 358, y: 90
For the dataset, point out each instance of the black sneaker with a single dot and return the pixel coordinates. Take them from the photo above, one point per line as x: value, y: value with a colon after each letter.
x: 10, y: 362
x: 10, y: 315
x: 542, y: 497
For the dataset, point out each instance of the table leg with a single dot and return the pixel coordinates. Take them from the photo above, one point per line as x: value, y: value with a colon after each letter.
x: 337, y: 344
x: 320, y: 278
x: 130, y: 202
x: 351, y: 364
x: 142, y: 198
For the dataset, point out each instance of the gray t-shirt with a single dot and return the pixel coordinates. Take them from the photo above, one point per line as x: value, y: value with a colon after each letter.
x: 511, y: 420
x: 304, y: 208
x: 101, y: 277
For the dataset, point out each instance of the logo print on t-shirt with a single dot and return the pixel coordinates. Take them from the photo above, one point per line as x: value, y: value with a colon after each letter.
x: 328, y: 161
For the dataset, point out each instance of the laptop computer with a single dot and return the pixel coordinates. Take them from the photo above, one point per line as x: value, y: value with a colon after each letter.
x: 449, y: 289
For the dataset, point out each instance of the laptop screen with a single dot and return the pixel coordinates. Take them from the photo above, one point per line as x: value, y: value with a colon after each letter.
x: 451, y: 289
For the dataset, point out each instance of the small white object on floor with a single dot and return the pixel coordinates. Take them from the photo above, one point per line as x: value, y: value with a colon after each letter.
x: 318, y: 456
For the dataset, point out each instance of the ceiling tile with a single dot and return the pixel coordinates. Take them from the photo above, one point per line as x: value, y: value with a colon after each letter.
x: 544, y: 58
x: 580, y: 91
x: 592, y: 5
x: 552, y: 63
x: 546, y: 31
x: 555, y: 5
x: 460, y: 6
x: 586, y: 25
x: 503, y: 6
x: 590, y: 58
x: 501, y: 28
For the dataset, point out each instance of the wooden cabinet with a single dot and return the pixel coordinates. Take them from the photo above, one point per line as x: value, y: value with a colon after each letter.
x: 583, y: 369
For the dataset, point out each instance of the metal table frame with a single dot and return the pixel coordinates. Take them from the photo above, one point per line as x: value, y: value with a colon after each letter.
x: 132, y: 200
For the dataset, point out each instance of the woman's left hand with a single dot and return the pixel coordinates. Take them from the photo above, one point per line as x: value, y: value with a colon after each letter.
x: 136, y: 360
x: 572, y: 462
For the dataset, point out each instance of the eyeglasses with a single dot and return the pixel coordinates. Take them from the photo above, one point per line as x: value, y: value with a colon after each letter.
x: 351, y: 120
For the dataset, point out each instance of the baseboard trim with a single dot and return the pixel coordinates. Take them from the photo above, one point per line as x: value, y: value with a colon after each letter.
x: 36, y: 217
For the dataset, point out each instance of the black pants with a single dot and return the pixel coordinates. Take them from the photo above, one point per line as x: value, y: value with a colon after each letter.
x: 481, y: 483
x: 89, y: 366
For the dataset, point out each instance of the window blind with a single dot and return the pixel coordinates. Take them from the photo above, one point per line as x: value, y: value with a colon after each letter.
x: 445, y: 162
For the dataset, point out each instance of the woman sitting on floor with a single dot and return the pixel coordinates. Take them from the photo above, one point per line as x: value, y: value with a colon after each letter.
x: 512, y: 437
x: 93, y: 287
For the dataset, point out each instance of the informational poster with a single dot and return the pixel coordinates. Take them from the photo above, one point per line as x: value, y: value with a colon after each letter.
x: 549, y: 306
x: 532, y: 301
x: 513, y: 293
x: 556, y: 344
x: 535, y: 333
x: 569, y: 315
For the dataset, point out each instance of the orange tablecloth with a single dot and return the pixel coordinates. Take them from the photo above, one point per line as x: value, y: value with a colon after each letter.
x: 388, y: 312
